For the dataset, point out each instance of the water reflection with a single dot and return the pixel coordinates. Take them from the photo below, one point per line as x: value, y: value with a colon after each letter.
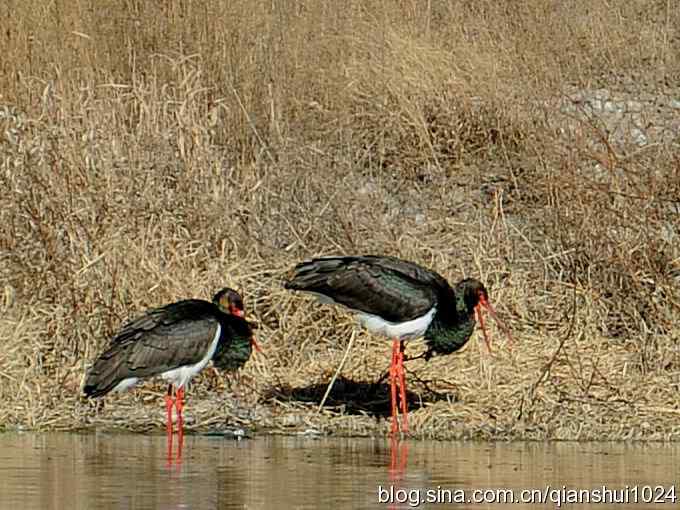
x: 397, y: 473
x: 121, y: 471
x: 172, y: 457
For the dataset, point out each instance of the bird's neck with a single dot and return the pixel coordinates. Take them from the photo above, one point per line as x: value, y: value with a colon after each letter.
x: 237, y: 354
x: 451, y: 327
x: 234, y: 347
x: 239, y: 350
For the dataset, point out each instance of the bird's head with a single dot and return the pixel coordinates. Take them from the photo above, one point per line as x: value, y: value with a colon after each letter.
x: 230, y: 302
x: 476, y: 297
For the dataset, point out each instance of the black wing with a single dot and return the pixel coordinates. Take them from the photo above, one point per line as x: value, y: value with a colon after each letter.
x: 394, y: 289
x: 162, y: 339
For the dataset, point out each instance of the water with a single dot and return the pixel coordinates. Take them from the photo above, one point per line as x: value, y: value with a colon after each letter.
x: 126, y: 471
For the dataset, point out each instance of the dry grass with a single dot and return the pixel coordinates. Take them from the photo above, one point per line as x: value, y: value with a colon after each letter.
x: 156, y: 151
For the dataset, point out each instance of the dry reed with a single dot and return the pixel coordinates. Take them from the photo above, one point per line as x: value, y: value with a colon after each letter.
x: 157, y: 151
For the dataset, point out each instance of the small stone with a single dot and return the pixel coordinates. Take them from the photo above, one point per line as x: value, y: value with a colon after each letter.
x: 291, y: 420
x: 633, y: 106
x: 309, y: 432
x: 367, y: 189
x: 602, y: 94
x: 577, y: 97
x: 595, y: 104
x: 611, y: 106
x: 639, y: 137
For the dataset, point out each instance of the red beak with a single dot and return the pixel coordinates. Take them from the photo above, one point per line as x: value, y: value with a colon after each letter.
x: 484, y: 303
x: 238, y: 312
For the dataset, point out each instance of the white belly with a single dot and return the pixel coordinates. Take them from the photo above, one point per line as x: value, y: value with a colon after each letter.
x: 126, y: 384
x: 401, y: 330
x: 181, y: 375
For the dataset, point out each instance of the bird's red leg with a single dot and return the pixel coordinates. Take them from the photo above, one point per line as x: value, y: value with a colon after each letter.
x: 393, y: 385
x: 179, y: 405
x: 402, y: 388
x: 169, y: 402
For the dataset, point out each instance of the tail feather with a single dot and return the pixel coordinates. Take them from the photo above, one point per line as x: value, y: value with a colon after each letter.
x: 106, y: 373
x: 312, y: 274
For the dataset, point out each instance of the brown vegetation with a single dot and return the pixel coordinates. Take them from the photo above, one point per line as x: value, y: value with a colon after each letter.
x: 153, y: 151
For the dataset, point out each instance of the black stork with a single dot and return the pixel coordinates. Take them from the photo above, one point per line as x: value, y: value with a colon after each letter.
x: 175, y: 342
x: 400, y: 300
